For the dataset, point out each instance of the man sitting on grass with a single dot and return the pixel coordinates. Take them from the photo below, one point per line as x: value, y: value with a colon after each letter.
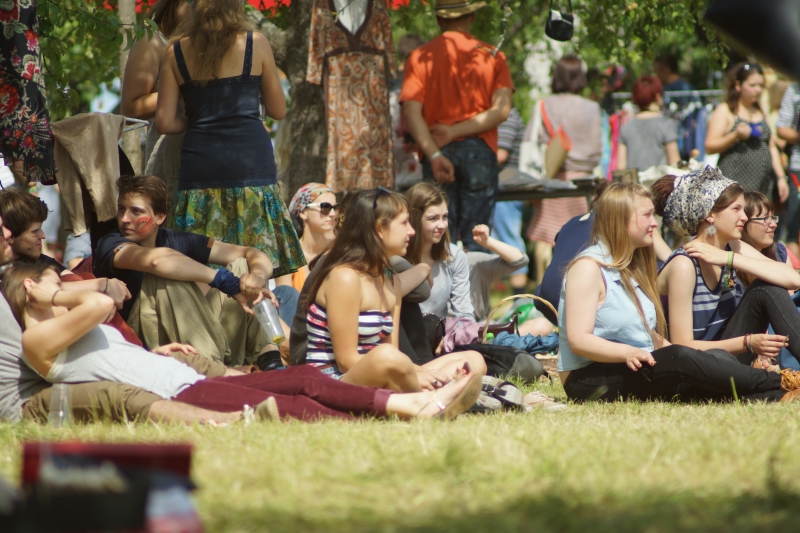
x: 176, y: 297
x: 23, y: 215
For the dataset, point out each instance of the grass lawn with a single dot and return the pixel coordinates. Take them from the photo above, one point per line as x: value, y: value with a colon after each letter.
x: 618, y: 467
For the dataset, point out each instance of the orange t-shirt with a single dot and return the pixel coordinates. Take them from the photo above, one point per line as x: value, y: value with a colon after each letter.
x: 454, y: 77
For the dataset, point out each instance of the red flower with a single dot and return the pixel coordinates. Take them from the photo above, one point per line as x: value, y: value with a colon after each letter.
x: 10, y: 15
x: 28, y: 142
x: 9, y: 99
x: 31, y: 68
x: 33, y: 39
x: 18, y: 134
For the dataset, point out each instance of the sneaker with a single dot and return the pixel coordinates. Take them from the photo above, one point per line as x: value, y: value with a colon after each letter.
x: 537, y: 400
x: 267, y: 411
x: 790, y: 380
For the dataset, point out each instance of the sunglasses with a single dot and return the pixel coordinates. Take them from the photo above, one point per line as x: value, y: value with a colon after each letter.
x: 325, y: 208
x: 378, y: 192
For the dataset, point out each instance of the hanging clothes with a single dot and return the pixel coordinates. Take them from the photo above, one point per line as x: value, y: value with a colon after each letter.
x: 24, y: 122
x: 351, y: 54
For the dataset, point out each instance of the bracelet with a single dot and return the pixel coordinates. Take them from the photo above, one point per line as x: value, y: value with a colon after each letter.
x: 746, y: 342
x: 728, y: 277
x: 105, y: 291
x: 53, y: 299
x: 784, y: 178
x: 226, y: 282
x: 438, y: 153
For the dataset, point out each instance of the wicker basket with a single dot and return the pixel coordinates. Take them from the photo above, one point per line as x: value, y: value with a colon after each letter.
x: 508, y: 299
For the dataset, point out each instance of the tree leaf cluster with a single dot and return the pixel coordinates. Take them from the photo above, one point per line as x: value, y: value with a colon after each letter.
x: 80, y: 45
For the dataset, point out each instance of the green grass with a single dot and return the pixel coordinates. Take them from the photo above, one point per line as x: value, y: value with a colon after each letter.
x: 649, y: 467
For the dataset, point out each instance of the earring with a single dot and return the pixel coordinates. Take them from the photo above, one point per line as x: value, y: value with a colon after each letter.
x: 711, y: 230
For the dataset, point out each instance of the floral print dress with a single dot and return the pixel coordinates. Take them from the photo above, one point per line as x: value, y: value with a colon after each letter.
x: 24, y: 122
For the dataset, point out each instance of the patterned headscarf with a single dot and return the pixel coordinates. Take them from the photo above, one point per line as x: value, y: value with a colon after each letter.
x: 306, y: 195
x: 692, y: 199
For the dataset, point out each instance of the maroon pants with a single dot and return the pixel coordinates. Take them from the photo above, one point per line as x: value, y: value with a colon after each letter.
x: 301, y: 392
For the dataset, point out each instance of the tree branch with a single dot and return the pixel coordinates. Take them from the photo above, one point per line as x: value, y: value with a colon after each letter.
x: 275, y: 36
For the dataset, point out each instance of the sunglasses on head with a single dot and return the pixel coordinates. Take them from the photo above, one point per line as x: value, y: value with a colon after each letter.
x: 325, y: 208
x: 378, y: 192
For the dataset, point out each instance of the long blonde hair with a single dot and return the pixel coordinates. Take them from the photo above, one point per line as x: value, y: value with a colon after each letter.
x: 212, y: 28
x: 613, y: 212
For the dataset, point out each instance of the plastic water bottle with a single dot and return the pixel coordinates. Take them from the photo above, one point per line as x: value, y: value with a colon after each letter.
x: 60, y: 413
x: 267, y: 316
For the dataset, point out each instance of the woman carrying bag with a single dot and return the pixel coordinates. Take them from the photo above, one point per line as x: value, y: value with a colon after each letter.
x: 571, y: 130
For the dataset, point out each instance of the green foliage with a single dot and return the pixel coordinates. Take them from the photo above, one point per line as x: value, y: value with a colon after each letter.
x: 80, y: 45
x: 607, y: 32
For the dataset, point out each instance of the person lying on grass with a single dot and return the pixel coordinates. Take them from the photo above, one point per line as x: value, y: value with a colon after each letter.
x: 170, y: 281
x: 706, y: 303
x: 612, y: 326
x: 353, y: 303
x: 64, y: 340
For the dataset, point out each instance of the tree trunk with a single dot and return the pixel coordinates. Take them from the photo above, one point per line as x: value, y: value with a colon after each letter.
x: 305, y: 119
x: 132, y: 140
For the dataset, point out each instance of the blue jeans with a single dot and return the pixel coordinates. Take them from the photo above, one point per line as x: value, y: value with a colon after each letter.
x: 473, y: 193
x: 508, y: 226
x: 287, y: 297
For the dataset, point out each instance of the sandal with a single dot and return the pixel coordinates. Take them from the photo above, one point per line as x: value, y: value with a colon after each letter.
x: 463, y: 401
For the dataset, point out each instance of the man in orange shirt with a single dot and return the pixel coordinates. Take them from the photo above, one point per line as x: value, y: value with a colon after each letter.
x: 456, y: 91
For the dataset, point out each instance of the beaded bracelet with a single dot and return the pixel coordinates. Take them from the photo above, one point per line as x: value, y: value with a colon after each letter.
x: 728, y: 279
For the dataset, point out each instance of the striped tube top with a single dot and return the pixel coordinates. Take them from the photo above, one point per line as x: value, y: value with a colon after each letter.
x: 372, y: 327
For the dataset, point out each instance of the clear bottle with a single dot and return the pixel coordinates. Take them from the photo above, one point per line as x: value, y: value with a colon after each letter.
x: 60, y: 413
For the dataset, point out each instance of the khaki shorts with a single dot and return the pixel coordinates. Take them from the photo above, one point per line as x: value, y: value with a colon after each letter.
x: 101, y: 400
x: 118, y: 402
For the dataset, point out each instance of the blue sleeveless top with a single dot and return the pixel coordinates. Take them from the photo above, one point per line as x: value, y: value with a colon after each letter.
x: 226, y: 145
x: 711, y: 310
x: 617, y: 318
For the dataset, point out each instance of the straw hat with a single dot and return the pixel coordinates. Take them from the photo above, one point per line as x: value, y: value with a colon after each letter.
x: 452, y: 9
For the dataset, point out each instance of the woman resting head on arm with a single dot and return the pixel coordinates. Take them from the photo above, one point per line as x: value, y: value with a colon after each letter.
x: 706, y: 303
x: 611, y: 326
x: 450, y: 293
x: 353, y: 303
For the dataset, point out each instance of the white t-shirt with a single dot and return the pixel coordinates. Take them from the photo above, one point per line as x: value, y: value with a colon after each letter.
x: 104, y: 355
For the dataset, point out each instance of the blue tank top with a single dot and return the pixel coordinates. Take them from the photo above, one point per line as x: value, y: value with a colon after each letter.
x: 617, y: 318
x: 226, y: 144
x: 711, y: 310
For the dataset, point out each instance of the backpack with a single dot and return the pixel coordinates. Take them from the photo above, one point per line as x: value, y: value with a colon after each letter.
x: 502, y: 361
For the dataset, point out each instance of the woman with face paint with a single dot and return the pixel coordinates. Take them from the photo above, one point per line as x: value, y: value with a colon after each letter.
x: 431, y: 245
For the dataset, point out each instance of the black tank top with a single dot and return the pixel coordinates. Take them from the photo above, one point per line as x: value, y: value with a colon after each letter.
x: 226, y: 144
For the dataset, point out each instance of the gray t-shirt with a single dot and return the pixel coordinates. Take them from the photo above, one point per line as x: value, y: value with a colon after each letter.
x: 450, y: 291
x: 104, y: 355
x: 646, y: 138
x: 17, y: 381
x: 485, y: 269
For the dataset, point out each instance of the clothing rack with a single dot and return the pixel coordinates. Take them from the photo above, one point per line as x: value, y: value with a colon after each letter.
x: 137, y: 124
x: 674, y: 94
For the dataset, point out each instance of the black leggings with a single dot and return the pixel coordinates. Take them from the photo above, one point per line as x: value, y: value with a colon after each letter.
x: 680, y: 373
x: 764, y: 304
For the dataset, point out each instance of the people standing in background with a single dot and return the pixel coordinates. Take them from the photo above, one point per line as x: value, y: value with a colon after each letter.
x: 580, y: 119
x: 666, y: 69
x: 788, y: 128
x: 456, y: 91
x: 649, y: 138
x: 508, y: 215
x: 407, y: 167
x: 738, y: 131
x: 228, y: 179
x: 140, y: 91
